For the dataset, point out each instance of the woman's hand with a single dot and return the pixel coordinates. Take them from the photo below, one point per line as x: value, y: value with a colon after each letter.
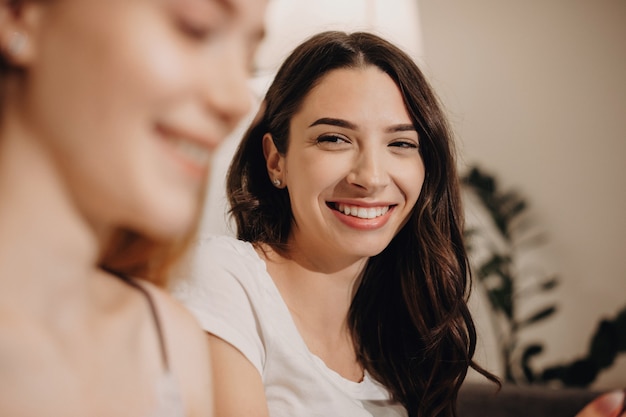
x: 607, y: 405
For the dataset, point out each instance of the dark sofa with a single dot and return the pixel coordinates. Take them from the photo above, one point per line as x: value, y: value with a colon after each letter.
x: 482, y: 400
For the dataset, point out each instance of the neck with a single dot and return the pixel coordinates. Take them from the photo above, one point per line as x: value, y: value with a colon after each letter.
x: 328, y: 279
x: 319, y: 302
x: 315, y: 292
x: 47, y: 249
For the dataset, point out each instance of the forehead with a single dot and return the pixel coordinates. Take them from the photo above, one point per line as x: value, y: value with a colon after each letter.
x: 346, y: 90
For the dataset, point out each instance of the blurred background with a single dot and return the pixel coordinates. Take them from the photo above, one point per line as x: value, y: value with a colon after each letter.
x: 536, y: 94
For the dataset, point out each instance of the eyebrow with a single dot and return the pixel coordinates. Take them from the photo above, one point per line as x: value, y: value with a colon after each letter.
x: 403, y: 127
x: 227, y: 4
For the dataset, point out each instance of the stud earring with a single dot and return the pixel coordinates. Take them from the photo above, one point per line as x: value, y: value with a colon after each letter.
x: 16, y: 43
x: 276, y: 182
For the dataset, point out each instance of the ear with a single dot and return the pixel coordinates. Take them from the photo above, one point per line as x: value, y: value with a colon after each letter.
x: 274, y: 161
x: 20, y: 21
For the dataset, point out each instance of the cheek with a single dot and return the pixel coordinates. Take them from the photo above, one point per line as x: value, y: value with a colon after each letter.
x: 317, y: 174
x: 412, y: 180
x: 139, y: 63
x: 309, y: 179
x: 154, y: 65
x: 95, y: 92
x: 113, y: 80
x: 144, y: 78
x: 100, y: 75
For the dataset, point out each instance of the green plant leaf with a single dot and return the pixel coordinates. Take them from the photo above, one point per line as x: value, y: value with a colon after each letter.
x: 543, y: 314
x: 529, y: 353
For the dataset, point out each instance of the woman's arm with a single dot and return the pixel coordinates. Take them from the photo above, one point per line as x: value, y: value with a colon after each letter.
x: 238, y: 388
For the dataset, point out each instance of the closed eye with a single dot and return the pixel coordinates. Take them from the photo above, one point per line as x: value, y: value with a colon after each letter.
x: 332, y: 141
x: 404, y: 144
x: 197, y: 20
x: 195, y: 31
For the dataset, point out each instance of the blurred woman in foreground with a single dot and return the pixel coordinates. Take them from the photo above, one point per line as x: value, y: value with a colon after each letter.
x: 109, y: 113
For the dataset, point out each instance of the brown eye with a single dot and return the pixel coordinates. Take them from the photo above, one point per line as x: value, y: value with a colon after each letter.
x: 332, y: 139
x: 404, y: 144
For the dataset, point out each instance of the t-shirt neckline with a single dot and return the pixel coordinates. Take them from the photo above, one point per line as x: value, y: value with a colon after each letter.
x: 366, y: 388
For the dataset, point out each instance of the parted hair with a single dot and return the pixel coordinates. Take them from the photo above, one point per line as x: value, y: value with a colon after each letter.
x: 409, y: 317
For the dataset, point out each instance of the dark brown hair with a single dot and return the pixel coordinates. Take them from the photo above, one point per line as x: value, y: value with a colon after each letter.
x: 409, y: 318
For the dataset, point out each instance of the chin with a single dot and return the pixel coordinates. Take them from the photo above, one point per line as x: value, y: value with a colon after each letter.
x: 367, y: 251
x: 168, y: 223
x: 371, y: 247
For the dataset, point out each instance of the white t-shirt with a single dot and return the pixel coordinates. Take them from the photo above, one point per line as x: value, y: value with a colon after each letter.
x: 227, y: 287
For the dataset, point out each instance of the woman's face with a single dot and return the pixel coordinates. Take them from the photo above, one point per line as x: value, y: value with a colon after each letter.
x: 353, y: 168
x: 131, y: 97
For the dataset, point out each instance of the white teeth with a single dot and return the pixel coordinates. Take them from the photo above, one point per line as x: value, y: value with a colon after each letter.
x: 193, y: 151
x: 362, y: 212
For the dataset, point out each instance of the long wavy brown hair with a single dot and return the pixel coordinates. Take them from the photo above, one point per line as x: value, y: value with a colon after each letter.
x: 409, y: 317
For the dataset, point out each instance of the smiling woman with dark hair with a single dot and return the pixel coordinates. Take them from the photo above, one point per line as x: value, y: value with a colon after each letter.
x: 346, y: 294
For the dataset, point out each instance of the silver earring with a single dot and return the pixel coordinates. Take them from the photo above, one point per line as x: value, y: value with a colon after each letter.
x: 16, y: 43
x: 276, y: 182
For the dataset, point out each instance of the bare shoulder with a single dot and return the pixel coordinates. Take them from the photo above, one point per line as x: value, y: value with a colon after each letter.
x: 187, y: 350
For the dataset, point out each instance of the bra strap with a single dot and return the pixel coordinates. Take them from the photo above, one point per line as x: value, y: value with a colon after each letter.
x: 153, y: 311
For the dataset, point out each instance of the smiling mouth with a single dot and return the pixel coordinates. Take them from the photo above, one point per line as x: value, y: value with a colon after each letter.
x: 360, y: 211
x: 191, y: 150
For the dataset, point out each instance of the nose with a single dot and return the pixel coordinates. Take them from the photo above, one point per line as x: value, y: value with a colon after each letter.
x: 225, y: 86
x: 369, y: 170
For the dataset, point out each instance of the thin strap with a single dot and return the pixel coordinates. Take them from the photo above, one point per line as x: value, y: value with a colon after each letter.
x: 153, y: 311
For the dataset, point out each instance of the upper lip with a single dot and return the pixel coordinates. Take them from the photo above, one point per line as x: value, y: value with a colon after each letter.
x: 187, y: 134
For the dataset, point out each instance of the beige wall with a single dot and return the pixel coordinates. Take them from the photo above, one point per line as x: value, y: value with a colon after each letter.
x: 537, y: 94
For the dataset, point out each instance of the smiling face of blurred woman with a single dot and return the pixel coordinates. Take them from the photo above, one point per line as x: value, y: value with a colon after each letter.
x: 127, y: 99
